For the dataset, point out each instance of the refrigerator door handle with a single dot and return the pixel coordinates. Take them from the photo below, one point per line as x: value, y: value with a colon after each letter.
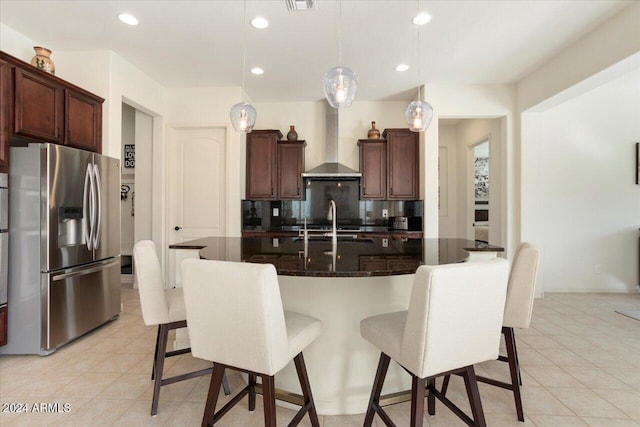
x: 92, y: 205
x: 82, y: 272
x: 86, y: 206
x: 98, y: 231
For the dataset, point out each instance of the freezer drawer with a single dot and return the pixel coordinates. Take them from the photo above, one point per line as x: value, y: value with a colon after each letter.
x: 79, y: 300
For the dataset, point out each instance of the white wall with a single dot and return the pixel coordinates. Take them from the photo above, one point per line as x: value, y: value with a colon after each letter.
x: 591, y: 206
x: 17, y: 44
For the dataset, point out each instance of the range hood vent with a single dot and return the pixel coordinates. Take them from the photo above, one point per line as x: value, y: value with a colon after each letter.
x: 331, y: 168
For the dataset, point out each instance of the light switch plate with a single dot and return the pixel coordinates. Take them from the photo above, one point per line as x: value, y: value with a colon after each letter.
x: 385, y: 213
x: 385, y: 243
x: 276, y: 242
x: 276, y: 212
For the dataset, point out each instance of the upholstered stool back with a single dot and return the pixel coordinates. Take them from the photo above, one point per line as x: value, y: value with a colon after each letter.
x: 148, y: 275
x: 235, y: 314
x: 455, y: 316
x: 522, y: 283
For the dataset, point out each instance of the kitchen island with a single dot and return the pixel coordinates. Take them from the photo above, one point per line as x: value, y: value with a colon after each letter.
x: 342, y: 285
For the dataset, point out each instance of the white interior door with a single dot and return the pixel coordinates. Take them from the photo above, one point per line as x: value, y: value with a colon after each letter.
x: 197, y: 188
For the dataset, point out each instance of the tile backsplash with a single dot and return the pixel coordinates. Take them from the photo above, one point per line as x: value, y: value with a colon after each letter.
x: 275, y: 215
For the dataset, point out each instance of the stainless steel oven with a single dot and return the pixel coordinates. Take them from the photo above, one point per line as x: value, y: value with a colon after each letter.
x: 4, y: 237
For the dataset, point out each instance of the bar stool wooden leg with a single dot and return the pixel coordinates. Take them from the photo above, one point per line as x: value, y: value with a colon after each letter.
x: 155, y: 355
x: 301, y: 369
x: 374, y: 400
x: 513, y: 370
x: 252, y: 392
x: 474, y: 396
x: 515, y: 350
x: 163, y: 334
x: 212, y: 396
x: 431, y: 399
x: 417, y: 401
x: 269, y: 400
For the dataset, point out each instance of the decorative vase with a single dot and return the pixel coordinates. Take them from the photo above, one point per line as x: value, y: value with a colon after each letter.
x: 373, y: 132
x: 292, y: 135
x: 42, y: 60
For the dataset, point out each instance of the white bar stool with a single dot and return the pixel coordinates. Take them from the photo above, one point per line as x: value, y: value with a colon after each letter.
x: 164, y: 308
x: 453, y: 322
x: 239, y: 304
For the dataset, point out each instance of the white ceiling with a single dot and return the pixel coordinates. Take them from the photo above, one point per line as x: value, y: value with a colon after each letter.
x: 199, y: 43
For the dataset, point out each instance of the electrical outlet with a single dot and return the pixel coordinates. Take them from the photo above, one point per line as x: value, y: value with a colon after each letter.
x: 276, y: 212
x: 276, y: 242
x: 385, y: 243
x: 385, y: 213
x: 598, y: 268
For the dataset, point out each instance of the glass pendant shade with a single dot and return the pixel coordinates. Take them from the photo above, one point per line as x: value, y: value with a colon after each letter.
x: 340, y: 84
x: 243, y: 117
x: 419, y: 114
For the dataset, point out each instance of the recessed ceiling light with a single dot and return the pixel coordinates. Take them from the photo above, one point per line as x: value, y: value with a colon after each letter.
x: 257, y: 71
x: 421, y: 18
x: 259, y: 23
x: 128, y: 19
x: 402, y: 67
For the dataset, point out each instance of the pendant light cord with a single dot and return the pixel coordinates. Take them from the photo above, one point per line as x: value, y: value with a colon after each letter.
x: 340, y: 32
x: 419, y: 61
x: 244, y: 44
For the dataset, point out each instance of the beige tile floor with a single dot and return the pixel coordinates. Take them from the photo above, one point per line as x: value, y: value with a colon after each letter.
x: 580, y: 366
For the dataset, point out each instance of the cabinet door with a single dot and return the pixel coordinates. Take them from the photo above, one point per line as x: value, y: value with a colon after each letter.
x: 5, y: 97
x: 83, y: 121
x: 261, y: 165
x: 290, y: 160
x: 403, y: 163
x: 373, y: 166
x: 38, y: 107
x: 372, y: 263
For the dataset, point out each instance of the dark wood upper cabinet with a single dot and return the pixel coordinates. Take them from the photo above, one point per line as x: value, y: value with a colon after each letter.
x: 38, y: 107
x: 83, y: 121
x: 290, y: 160
x: 41, y: 107
x: 5, y: 96
x: 373, y: 166
x: 274, y: 167
x: 403, y: 164
x: 261, y: 164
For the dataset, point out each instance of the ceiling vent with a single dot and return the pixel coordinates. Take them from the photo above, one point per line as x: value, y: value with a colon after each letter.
x: 293, y: 5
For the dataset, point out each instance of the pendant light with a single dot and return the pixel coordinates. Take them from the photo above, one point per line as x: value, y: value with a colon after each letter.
x: 340, y: 83
x: 243, y: 115
x: 419, y: 112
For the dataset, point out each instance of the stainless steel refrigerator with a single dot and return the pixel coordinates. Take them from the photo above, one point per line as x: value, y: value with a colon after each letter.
x: 64, y: 246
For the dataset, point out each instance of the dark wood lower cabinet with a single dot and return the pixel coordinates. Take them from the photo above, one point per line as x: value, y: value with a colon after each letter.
x: 3, y: 326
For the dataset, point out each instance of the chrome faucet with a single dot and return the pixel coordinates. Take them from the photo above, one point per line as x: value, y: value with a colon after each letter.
x: 331, y: 216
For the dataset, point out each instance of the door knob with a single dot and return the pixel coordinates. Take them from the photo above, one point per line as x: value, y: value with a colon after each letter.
x: 177, y: 228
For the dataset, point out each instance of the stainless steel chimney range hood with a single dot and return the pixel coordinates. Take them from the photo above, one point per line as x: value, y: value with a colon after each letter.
x: 331, y: 168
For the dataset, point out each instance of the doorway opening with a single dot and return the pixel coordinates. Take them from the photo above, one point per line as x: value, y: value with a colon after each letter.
x: 481, y: 191
x: 472, y: 186
x: 135, y: 184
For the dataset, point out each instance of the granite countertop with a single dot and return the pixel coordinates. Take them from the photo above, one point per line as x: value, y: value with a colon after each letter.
x: 351, y: 257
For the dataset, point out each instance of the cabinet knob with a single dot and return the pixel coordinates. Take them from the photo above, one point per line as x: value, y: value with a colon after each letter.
x: 177, y: 228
